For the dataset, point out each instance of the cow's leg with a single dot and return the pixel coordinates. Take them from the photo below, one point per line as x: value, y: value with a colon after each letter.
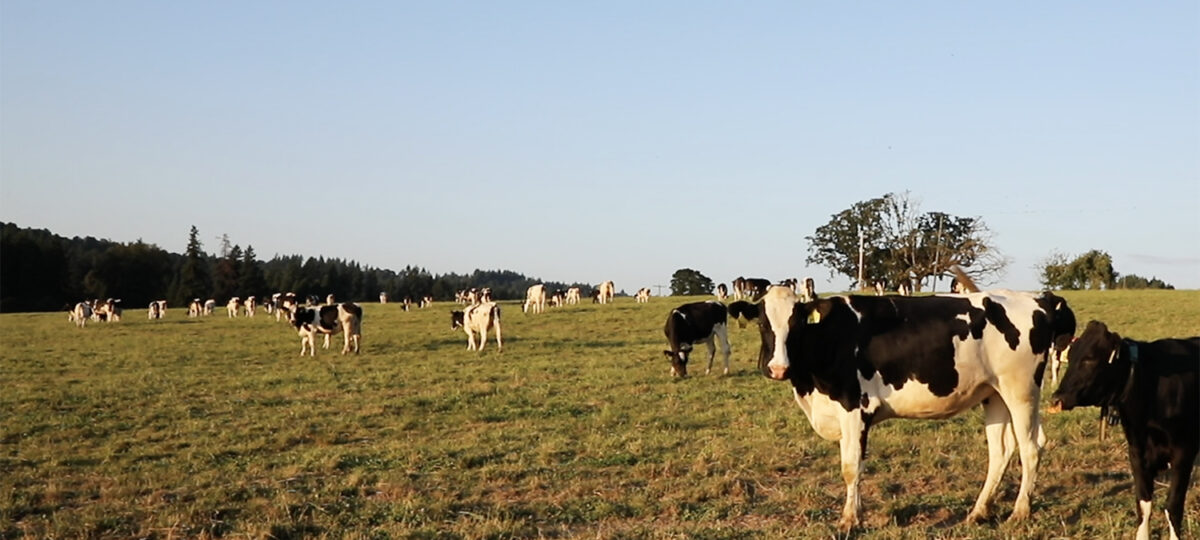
x: 499, y: 343
x: 712, y: 353
x: 1181, y: 476
x: 1143, y: 488
x: 722, y: 332
x: 326, y: 345
x: 483, y: 335
x: 347, y: 329
x: 853, y: 446
x: 470, y: 339
x: 1022, y: 406
x: 1001, y: 444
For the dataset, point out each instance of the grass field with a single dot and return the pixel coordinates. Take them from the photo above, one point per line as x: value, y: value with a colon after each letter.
x: 215, y: 427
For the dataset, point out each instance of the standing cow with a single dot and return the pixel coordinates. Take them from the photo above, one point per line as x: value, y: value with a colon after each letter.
x: 328, y: 320
x: 535, y: 299
x: 478, y: 318
x: 1155, y: 387
x: 855, y: 361
x: 697, y: 322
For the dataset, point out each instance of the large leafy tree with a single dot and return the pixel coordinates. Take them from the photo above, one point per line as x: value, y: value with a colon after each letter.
x: 688, y: 282
x: 1092, y: 270
x: 900, y: 243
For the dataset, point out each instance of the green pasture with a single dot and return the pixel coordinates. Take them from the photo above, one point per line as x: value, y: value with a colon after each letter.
x: 216, y: 427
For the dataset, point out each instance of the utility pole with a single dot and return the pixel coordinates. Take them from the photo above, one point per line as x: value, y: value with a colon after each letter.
x: 937, y: 257
x: 660, y: 288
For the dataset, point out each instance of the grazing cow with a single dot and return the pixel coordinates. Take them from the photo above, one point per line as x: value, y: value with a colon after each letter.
x: 854, y: 361
x: 80, y: 314
x: 722, y: 292
x: 535, y: 299
x: 559, y: 298
x: 643, y: 295
x: 1155, y: 387
x: 695, y: 323
x: 743, y: 312
x: 478, y: 318
x: 328, y: 320
x: 407, y: 303
x: 904, y: 288
x: 382, y: 298
x: 195, y: 308
x: 573, y: 295
x: 426, y: 301
x: 107, y: 311
x: 607, y: 289
x: 209, y: 306
x: 154, y: 311
x: 234, y: 306
x: 880, y: 288
x: 595, y: 296
x: 251, y: 305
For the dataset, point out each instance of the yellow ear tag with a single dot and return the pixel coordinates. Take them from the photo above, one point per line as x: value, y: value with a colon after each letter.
x: 814, y: 317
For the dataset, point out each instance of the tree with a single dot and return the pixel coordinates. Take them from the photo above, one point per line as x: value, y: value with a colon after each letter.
x: 1134, y: 281
x: 252, y: 281
x: 193, y: 280
x: 1092, y: 270
x: 900, y: 243
x: 227, y: 274
x: 688, y: 282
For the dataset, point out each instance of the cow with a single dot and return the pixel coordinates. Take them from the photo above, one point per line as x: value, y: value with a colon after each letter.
x: 558, y: 299
x: 251, y: 304
x: 209, y: 306
x: 743, y: 312
x: 535, y: 299
x: 643, y: 295
x: 1155, y: 387
x: 485, y: 295
x: 426, y: 301
x: 195, y: 308
x: 751, y: 288
x: 722, y: 292
x: 285, y: 304
x: 810, y: 290
x: 157, y: 309
x: 107, y: 311
x: 791, y: 283
x: 80, y: 314
x: 855, y: 361
x: 478, y: 318
x: 573, y: 295
x: 233, y: 306
x: 607, y: 289
x: 328, y: 320
x: 695, y: 323
x: 383, y: 298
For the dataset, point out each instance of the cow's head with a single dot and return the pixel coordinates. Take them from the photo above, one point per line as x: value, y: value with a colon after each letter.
x: 456, y: 320
x: 1096, y: 370
x: 302, y: 316
x: 678, y: 353
x: 679, y: 359
x: 774, y: 326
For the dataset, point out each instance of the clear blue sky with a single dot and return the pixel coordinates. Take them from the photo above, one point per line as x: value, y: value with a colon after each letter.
x: 608, y: 140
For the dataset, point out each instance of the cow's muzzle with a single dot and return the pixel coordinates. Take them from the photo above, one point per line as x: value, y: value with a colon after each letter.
x: 778, y: 372
x: 1056, y: 406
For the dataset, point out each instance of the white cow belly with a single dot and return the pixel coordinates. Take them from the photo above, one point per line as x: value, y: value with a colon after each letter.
x: 823, y: 413
x: 915, y: 400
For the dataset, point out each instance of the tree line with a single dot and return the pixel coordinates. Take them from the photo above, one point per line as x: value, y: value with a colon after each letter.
x: 42, y: 271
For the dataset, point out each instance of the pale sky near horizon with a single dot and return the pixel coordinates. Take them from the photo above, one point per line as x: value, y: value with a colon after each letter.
x: 619, y: 140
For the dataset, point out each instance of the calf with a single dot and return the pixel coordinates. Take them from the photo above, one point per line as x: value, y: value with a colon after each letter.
x: 722, y: 292
x: 1154, y: 386
x: 478, y: 318
x: 194, y: 308
x: 535, y: 299
x: 156, y: 309
x: 855, y: 361
x: 210, y: 305
x: 695, y: 323
x: 426, y: 301
x: 573, y: 295
x: 382, y: 298
x: 234, y: 306
x: 643, y: 295
x: 328, y: 320
x: 251, y: 305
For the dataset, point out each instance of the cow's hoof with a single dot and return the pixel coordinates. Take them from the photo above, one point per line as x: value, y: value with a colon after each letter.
x: 847, y: 524
x: 975, y: 518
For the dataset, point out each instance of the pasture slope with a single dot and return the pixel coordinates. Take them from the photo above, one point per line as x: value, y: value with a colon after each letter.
x: 215, y: 427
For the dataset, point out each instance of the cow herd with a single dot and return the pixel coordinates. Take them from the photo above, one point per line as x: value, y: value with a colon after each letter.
x: 854, y: 361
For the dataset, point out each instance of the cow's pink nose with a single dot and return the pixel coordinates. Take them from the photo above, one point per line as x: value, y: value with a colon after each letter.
x: 777, y: 372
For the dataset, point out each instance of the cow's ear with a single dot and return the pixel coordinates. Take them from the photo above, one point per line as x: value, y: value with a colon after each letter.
x: 818, y: 310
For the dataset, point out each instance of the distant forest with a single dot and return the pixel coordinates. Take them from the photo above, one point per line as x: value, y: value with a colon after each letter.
x: 41, y: 271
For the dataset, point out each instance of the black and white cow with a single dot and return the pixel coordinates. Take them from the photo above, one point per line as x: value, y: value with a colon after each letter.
x: 328, y: 320
x: 643, y: 295
x: 695, y: 323
x: 722, y: 292
x: 478, y: 318
x: 743, y: 312
x: 80, y: 314
x: 752, y: 288
x: 855, y: 361
x: 1155, y: 387
x: 535, y: 299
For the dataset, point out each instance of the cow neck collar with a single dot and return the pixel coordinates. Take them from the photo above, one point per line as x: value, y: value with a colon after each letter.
x: 1130, y: 351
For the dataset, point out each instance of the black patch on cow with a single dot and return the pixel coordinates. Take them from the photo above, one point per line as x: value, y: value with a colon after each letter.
x: 456, y: 319
x: 744, y: 309
x: 867, y: 418
x: 865, y: 401
x: 302, y: 317
x: 1054, y: 326
x: 353, y: 309
x: 998, y: 317
x: 328, y: 317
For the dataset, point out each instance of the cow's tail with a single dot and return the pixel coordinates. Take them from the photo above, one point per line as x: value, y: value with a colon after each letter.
x: 966, y: 281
